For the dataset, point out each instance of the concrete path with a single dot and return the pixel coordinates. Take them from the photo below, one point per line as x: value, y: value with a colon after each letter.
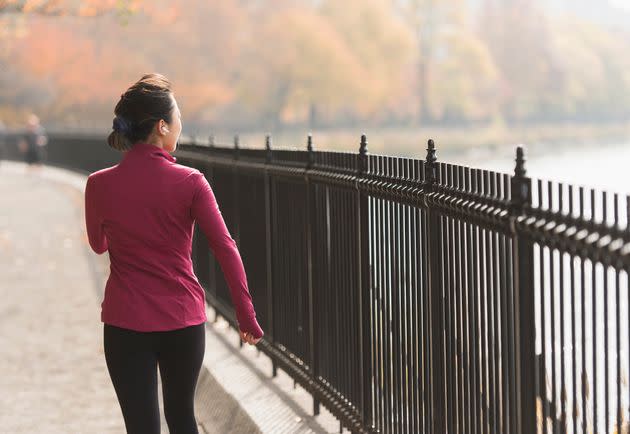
x: 53, y: 376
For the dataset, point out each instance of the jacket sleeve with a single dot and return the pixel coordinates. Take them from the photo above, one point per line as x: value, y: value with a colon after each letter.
x: 205, y: 211
x: 93, y: 220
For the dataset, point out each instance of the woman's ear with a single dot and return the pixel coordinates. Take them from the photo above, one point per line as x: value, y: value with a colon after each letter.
x: 163, y: 128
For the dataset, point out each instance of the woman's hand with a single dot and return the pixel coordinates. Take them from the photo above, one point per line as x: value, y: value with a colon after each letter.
x: 247, y: 337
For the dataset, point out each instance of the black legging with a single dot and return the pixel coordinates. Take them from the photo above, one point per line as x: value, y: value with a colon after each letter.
x: 132, y: 358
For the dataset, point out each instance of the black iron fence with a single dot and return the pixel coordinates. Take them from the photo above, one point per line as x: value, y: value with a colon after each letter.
x: 415, y: 296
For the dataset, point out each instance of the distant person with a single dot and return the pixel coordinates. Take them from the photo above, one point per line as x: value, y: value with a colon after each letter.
x: 33, y: 143
x: 142, y: 211
x: 3, y: 141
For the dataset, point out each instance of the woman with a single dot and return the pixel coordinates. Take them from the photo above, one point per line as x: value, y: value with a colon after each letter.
x: 32, y: 143
x: 142, y: 211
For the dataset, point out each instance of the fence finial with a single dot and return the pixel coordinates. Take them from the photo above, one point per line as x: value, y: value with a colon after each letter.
x: 363, y: 161
x: 521, y: 185
x: 268, y: 146
x: 430, y: 168
x: 309, y: 148
x: 520, y: 170
x: 431, y: 158
x: 237, y: 144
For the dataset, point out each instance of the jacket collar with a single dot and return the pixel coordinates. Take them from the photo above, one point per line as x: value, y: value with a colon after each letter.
x: 149, y: 149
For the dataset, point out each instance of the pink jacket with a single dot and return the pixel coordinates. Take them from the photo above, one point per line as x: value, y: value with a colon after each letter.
x: 142, y: 211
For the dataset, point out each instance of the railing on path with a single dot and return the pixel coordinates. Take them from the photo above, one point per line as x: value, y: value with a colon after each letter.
x: 415, y: 296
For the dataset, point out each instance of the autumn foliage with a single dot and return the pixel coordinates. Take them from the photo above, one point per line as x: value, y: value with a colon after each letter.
x: 280, y: 62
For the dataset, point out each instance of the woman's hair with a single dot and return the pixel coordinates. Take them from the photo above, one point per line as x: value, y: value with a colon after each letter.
x: 139, y: 108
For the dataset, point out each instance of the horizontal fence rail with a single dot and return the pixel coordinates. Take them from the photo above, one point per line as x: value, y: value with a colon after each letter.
x: 417, y: 296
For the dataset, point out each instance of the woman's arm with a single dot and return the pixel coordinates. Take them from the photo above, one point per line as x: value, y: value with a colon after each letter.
x: 93, y: 222
x: 205, y: 211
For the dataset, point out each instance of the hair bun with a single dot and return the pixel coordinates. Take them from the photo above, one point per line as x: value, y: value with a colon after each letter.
x: 121, y: 125
x: 118, y: 141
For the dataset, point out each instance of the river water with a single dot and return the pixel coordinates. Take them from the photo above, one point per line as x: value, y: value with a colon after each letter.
x: 604, y: 168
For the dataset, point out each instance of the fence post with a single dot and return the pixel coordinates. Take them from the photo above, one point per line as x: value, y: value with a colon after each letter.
x: 364, y: 287
x: 436, y: 301
x: 235, y: 211
x: 524, y: 321
x: 270, y: 251
x: 312, y: 342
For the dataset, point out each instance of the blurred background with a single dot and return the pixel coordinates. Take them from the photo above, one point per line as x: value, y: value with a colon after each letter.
x: 477, y: 75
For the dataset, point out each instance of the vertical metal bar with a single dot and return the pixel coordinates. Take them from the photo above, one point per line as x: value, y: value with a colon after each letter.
x: 390, y: 311
x: 464, y: 398
x: 381, y: 307
x: 552, y: 321
x: 594, y: 320
x: 583, y: 328
x: 457, y: 323
x: 337, y: 287
x: 502, y: 289
x: 388, y: 304
x: 471, y: 289
x: 480, y: 284
x: 406, y: 254
x: 415, y: 330
x: 542, y: 366
x: 396, y: 289
x: 344, y: 292
x: 511, y: 330
x: 474, y: 286
x: 451, y: 419
x: 524, y: 312
x: 384, y: 345
x: 488, y: 378
x: 563, y: 391
x: 364, y: 288
x: 312, y: 314
x: 618, y: 323
x: 270, y: 251
x: 492, y: 273
x: 495, y: 267
x: 606, y: 365
x: 435, y: 300
x: 463, y: 304
x: 424, y: 333
x: 373, y: 247
x: 574, y: 410
x: 399, y: 306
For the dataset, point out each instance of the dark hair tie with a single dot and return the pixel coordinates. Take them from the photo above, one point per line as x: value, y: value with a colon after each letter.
x: 121, y: 125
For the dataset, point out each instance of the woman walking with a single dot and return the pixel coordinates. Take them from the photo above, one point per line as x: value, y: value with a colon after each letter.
x: 33, y: 143
x: 142, y: 211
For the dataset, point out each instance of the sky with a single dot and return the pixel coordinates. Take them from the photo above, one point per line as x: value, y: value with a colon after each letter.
x: 625, y: 4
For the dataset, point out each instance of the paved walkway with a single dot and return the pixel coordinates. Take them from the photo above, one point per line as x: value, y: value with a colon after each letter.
x: 53, y: 374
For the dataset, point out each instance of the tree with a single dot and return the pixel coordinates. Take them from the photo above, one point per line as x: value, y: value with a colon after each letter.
x: 302, y: 62
x: 383, y: 46
x: 517, y: 34
x: 67, y: 7
x: 595, y: 79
